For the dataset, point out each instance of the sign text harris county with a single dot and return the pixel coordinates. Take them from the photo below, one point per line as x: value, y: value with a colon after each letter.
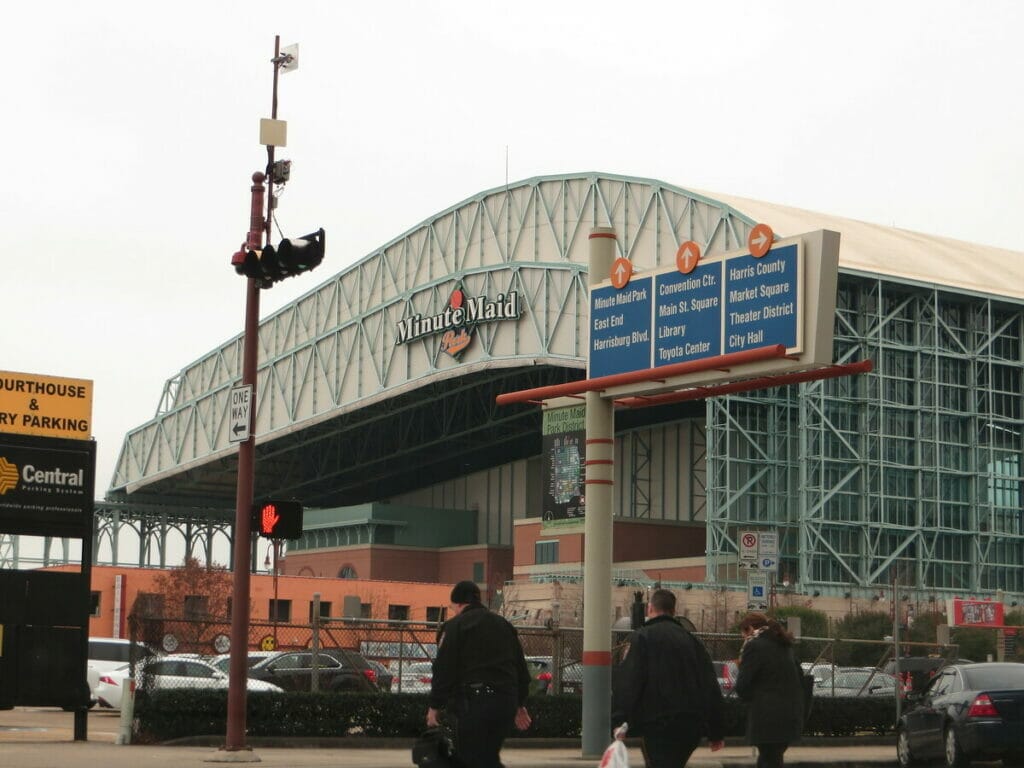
x: 476, y: 309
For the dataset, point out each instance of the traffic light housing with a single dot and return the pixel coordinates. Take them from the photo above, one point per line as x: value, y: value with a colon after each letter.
x: 276, y: 519
x: 289, y: 258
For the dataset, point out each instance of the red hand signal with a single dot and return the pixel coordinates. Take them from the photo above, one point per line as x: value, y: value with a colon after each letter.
x: 269, y: 518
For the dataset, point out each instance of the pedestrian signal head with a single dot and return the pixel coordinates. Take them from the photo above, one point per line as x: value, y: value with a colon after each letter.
x: 275, y: 519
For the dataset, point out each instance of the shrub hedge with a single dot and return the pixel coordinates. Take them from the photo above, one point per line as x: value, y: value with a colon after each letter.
x: 167, y: 715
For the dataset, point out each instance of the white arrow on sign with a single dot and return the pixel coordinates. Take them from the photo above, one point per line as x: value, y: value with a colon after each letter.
x: 760, y: 240
x: 240, y: 413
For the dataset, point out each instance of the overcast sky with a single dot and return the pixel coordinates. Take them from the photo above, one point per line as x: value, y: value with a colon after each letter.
x: 130, y: 132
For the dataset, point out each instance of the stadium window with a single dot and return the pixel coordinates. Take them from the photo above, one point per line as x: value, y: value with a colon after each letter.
x: 398, y: 612
x: 545, y: 552
x: 94, y: 603
x: 437, y: 613
x: 195, y: 606
x: 365, y: 611
x: 478, y: 572
x: 325, y: 610
x: 149, y: 605
x: 280, y: 610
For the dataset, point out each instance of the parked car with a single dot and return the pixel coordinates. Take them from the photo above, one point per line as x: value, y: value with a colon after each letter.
x: 916, y: 671
x: 413, y: 677
x: 967, y: 712
x: 541, y: 671
x: 726, y: 672
x: 107, y: 654
x: 337, y: 670
x: 166, y: 673
x: 223, y: 661
x: 572, y: 678
x: 382, y: 675
x: 846, y: 681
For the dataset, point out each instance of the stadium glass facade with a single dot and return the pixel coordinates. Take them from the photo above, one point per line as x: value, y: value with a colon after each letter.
x: 909, y: 474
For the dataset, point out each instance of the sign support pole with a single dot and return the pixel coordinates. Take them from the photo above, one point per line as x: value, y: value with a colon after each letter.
x: 597, y: 532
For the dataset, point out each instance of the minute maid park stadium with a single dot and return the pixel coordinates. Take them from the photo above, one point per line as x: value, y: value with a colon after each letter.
x: 382, y: 420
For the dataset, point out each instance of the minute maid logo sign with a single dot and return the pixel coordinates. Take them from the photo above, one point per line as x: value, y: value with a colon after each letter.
x: 455, y: 323
x: 8, y: 476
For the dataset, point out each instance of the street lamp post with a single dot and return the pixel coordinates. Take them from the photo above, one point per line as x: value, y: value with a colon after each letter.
x: 235, y: 736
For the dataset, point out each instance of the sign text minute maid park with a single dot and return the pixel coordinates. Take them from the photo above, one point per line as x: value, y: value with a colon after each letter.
x: 728, y: 303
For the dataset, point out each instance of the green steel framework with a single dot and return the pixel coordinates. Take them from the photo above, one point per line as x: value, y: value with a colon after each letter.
x: 910, y: 474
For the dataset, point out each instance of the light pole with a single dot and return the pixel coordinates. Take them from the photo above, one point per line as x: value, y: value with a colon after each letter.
x: 235, y: 737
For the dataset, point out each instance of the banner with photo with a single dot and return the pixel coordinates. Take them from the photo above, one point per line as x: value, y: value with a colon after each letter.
x: 564, y: 441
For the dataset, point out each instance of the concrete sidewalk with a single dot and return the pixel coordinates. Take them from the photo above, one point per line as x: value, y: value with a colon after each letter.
x: 96, y: 754
x: 44, y: 739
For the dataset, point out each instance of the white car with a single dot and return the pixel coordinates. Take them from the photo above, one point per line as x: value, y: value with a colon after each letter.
x: 415, y: 677
x: 167, y: 673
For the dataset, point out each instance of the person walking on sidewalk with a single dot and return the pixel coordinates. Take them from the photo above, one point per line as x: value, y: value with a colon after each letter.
x: 480, y: 678
x: 666, y: 688
x: 770, y: 682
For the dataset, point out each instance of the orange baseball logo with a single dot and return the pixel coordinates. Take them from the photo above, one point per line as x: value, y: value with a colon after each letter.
x: 8, y: 476
x: 453, y: 342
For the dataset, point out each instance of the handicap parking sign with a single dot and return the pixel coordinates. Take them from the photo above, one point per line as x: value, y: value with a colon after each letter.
x: 757, y: 591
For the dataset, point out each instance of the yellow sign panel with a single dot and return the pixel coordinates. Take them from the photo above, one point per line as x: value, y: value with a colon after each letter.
x: 45, y: 405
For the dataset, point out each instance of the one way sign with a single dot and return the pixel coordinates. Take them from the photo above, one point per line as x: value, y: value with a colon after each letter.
x: 240, y: 413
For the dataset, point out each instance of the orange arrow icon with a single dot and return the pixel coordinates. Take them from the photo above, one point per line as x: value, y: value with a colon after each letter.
x: 622, y: 270
x: 687, y: 257
x: 760, y: 240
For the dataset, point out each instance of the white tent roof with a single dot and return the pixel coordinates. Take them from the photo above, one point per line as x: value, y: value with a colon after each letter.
x: 896, y: 252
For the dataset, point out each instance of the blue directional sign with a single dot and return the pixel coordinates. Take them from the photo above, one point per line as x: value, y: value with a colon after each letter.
x: 726, y: 304
x: 762, y: 300
x: 688, y: 314
x: 620, y: 328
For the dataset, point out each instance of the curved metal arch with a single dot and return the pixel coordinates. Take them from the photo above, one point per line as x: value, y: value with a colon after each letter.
x: 333, y: 351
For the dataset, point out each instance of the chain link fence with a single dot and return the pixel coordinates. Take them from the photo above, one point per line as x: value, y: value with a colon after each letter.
x: 400, y: 652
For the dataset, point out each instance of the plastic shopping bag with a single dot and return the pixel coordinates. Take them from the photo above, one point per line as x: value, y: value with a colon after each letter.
x: 616, y: 756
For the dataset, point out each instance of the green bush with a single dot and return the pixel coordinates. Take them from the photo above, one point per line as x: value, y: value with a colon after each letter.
x: 168, y: 715
x: 870, y: 625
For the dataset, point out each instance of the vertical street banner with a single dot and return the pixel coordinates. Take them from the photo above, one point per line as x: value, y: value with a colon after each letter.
x: 564, y: 440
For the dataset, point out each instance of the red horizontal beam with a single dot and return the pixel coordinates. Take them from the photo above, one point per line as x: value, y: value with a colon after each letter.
x: 639, y: 377
x: 763, y: 382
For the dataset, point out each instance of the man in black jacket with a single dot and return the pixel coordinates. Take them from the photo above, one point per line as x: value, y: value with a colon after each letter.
x: 666, y: 688
x: 480, y: 676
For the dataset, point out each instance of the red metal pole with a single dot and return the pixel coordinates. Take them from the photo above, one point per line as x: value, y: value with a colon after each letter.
x: 235, y: 738
x: 638, y: 377
x: 763, y: 382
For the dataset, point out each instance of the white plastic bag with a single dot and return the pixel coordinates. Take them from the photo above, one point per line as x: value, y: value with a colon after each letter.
x: 616, y: 756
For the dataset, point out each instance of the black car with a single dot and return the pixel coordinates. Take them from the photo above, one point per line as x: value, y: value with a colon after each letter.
x: 967, y: 712
x: 337, y: 670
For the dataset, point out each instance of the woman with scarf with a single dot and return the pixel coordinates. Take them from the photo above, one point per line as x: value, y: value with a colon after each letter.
x: 770, y: 683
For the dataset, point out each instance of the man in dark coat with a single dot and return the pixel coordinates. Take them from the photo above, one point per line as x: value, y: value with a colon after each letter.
x: 666, y: 688
x: 480, y: 678
x: 770, y: 682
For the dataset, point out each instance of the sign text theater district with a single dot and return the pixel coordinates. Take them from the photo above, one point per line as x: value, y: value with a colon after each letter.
x: 726, y: 304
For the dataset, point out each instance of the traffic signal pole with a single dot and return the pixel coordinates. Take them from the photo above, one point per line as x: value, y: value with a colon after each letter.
x: 238, y: 669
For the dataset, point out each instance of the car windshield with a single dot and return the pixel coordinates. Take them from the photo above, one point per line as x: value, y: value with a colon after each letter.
x: 1003, y: 676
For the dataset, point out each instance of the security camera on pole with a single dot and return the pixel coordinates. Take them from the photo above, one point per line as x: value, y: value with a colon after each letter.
x: 263, y: 267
